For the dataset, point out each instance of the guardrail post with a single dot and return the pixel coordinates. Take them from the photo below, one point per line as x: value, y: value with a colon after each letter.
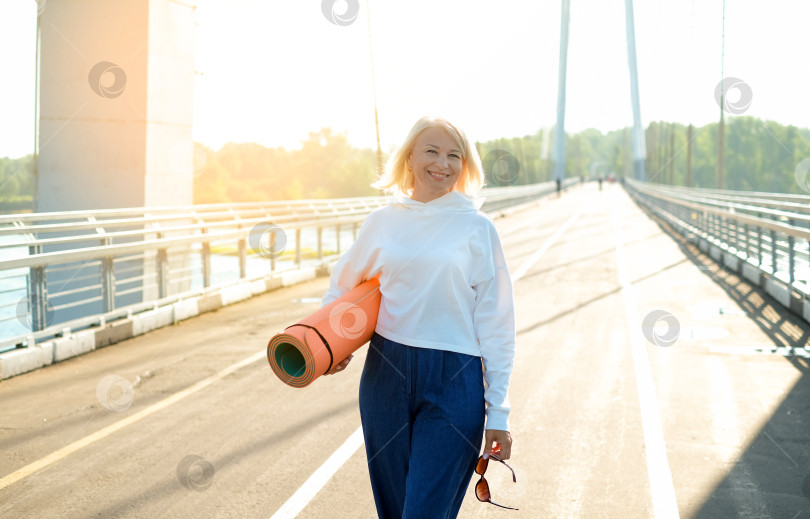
x: 718, y: 231
x: 759, y: 242
x: 162, y: 273
x: 745, y: 240
x: 206, y: 261
x: 37, y: 298
x: 720, y: 228
x: 773, y: 252
x: 242, y: 245
x: 733, y: 234
x: 707, y: 224
x: 320, y: 243
x: 108, y: 284
x: 791, y: 255
x: 107, y: 279
x: 707, y: 217
x: 298, y: 247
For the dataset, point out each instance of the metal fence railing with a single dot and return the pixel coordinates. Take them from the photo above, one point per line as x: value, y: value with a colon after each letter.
x: 765, y: 231
x: 76, y: 269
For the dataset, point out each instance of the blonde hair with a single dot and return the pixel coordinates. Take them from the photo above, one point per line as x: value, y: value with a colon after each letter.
x: 397, y: 176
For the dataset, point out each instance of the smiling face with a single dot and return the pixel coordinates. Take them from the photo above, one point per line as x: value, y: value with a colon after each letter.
x: 436, y: 163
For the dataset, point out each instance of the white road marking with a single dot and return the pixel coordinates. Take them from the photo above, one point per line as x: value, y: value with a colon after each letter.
x: 661, y: 488
x: 318, y: 479
x: 519, y: 273
x: 120, y: 424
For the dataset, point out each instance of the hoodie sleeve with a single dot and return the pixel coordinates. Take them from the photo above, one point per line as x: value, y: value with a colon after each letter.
x: 494, y: 321
x: 355, y: 265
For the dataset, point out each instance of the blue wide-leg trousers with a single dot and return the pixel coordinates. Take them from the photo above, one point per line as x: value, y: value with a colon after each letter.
x: 423, y: 413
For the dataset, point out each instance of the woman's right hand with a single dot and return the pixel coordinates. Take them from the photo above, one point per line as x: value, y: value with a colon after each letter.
x: 340, y: 367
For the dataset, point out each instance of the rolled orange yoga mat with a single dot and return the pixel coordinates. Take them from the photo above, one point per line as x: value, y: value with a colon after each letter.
x: 309, y: 348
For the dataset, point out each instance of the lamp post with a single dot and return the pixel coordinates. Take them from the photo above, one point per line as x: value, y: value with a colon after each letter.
x: 374, y: 91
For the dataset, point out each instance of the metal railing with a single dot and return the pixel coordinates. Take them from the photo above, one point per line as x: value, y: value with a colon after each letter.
x: 767, y: 231
x: 81, y: 268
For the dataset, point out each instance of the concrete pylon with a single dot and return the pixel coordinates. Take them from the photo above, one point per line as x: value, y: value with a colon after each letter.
x: 559, y: 129
x: 116, y: 102
x: 115, y: 115
x: 639, y: 145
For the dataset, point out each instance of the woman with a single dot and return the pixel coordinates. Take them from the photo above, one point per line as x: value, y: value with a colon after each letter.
x: 447, y: 305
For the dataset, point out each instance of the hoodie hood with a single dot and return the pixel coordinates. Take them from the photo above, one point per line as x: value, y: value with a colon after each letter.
x: 454, y: 201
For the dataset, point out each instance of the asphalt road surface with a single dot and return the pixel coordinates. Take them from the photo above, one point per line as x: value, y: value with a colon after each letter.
x: 613, y: 415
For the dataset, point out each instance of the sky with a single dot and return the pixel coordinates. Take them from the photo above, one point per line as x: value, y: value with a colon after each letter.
x: 271, y: 72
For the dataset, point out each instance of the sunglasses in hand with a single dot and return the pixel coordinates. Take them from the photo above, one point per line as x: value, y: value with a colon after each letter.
x: 482, y: 487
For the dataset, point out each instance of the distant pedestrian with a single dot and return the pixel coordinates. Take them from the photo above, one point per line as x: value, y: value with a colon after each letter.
x: 447, y: 310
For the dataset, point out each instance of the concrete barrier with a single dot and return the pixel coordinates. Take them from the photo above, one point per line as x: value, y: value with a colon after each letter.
x: 258, y: 287
x: 25, y: 359
x: 111, y: 333
x: 778, y: 291
x: 185, y: 309
x: 152, y: 320
x: 71, y: 344
x: 209, y: 303
x: 236, y: 293
x: 731, y: 261
x: 752, y: 273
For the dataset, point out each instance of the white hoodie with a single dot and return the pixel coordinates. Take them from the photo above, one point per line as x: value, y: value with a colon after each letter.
x: 444, y: 284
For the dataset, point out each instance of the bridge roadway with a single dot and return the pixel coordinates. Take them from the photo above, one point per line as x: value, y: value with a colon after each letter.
x: 605, y: 423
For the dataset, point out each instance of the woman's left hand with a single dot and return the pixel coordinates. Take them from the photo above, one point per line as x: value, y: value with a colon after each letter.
x: 498, y: 443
